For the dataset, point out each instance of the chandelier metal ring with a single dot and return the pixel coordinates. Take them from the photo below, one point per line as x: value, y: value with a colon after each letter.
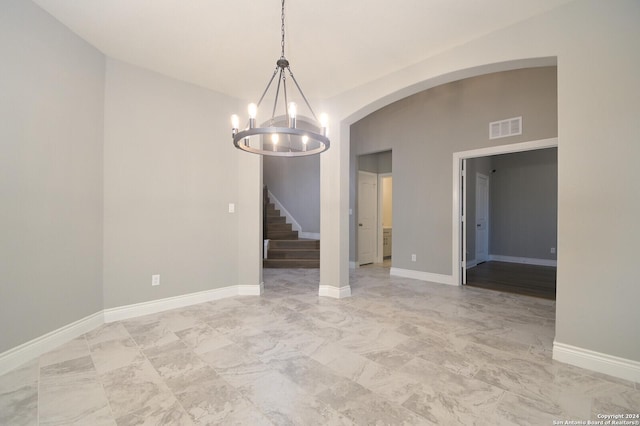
x: 240, y: 139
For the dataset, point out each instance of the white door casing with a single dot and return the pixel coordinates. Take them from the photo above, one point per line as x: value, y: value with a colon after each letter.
x: 458, y: 157
x: 482, y: 218
x: 367, y: 217
x: 463, y: 219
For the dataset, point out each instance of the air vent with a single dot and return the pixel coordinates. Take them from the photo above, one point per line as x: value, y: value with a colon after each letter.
x: 504, y: 128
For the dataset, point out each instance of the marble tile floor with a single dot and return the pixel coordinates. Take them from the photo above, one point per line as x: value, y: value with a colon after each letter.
x: 399, y: 351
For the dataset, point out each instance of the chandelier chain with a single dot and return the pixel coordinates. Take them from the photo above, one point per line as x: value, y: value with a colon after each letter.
x: 282, y: 28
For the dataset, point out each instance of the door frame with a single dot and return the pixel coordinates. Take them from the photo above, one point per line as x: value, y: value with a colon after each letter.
x: 458, y: 224
x: 463, y: 217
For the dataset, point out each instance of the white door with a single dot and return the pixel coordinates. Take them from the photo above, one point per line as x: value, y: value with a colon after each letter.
x: 482, y: 218
x: 367, y: 217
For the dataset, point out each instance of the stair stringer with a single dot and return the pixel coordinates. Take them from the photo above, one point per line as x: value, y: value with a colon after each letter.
x: 292, y: 220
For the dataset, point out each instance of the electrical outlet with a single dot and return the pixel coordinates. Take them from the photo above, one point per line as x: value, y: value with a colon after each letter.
x: 413, y: 257
x: 553, y: 250
x: 232, y: 208
x: 155, y: 279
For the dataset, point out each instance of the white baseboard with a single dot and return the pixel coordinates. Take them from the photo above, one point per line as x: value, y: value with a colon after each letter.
x: 596, y: 361
x: 160, y: 305
x: 40, y: 345
x: 471, y: 263
x: 309, y: 235
x: 423, y: 276
x: 250, y: 290
x: 34, y: 348
x: 523, y: 260
x: 334, y: 292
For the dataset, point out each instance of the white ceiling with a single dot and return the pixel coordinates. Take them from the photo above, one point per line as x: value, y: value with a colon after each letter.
x: 332, y: 45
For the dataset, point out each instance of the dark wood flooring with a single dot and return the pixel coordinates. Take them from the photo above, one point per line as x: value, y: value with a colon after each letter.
x: 530, y: 280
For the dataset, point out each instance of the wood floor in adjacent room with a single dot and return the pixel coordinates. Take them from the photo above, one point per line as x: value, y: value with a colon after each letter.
x: 529, y: 280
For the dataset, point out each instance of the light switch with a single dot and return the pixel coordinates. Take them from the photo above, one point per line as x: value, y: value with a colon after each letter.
x: 232, y: 208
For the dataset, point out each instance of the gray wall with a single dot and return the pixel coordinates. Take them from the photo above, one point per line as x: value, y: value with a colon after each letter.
x: 380, y: 162
x: 598, y: 45
x: 51, y: 140
x: 524, y: 203
x: 296, y: 184
x: 424, y: 130
x: 170, y: 172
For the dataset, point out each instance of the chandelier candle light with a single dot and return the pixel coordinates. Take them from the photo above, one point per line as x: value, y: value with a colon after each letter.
x: 288, y: 141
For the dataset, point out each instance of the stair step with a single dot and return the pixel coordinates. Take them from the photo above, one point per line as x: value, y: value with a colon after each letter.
x: 293, y: 253
x: 291, y: 263
x: 294, y: 244
x: 278, y: 227
x: 282, y: 235
x: 276, y: 219
x: 273, y: 213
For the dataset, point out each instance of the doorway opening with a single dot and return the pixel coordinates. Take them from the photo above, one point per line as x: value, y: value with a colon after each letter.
x: 374, y: 230
x: 385, y: 221
x: 505, y: 226
x: 291, y: 221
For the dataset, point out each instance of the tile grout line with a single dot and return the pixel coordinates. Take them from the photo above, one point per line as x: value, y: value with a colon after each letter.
x: 199, y: 356
x: 99, y: 378
x: 38, y: 394
x: 141, y: 351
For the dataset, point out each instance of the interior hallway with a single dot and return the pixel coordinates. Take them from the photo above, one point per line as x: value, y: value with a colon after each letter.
x: 399, y: 350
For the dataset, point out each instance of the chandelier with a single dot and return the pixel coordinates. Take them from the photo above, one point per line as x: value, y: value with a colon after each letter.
x: 283, y: 136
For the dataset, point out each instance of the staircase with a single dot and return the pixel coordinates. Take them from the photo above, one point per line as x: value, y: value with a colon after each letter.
x: 286, y: 250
